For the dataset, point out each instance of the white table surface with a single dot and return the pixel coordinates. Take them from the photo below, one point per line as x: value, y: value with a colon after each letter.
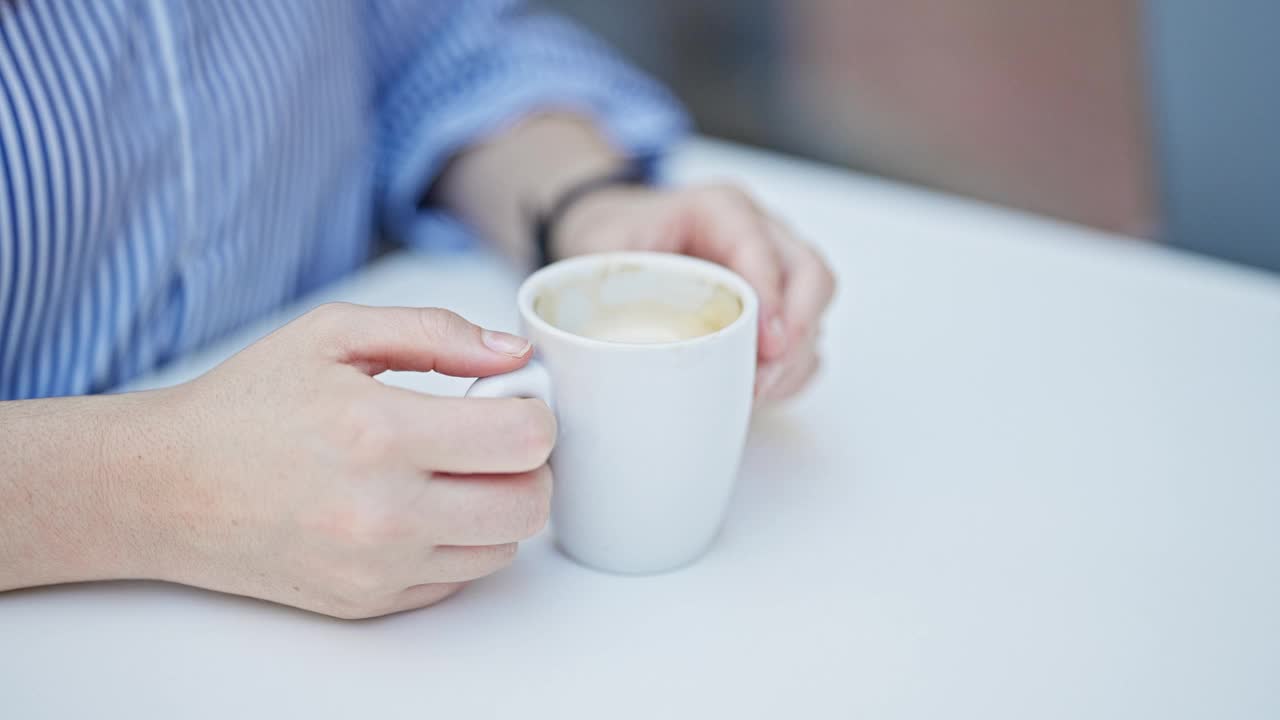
x: 1039, y: 478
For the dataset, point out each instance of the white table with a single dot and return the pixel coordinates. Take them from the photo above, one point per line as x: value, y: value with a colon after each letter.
x: 1039, y: 478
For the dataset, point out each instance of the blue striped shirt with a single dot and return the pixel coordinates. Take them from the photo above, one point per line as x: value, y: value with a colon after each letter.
x: 171, y: 169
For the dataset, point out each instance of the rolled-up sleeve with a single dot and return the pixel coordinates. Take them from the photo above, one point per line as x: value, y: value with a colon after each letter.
x: 450, y: 73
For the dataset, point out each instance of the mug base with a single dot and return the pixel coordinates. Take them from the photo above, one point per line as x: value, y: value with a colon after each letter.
x: 636, y: 568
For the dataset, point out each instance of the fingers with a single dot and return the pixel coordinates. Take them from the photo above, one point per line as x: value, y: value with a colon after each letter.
x: 729, y: 229
x: 456, y: 564
x: 720, y: 223
x: 787, y: 376
x: 474, y: 510
x: 797, y: 376
x: 809, y: 286
x: 469, y: 435
x: 375, y: 339
x: 420, y: 596
x: 808, y: 289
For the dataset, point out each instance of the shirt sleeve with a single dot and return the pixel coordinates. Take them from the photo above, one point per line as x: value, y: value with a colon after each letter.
x: 449, y: 73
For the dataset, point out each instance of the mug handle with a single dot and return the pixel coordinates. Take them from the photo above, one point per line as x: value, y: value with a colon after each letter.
x: 530, y: 381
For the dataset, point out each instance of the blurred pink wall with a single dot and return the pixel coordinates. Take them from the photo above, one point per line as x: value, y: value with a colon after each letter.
x: 1032, y: 104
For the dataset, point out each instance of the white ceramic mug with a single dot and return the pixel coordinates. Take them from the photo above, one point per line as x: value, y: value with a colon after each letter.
x: 650, y: 434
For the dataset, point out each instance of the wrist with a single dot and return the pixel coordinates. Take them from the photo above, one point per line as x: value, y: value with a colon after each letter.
x: 567, y: 150
x: 563, y: 216
x: 144, y: 457
x: 496, y: 186
x: 75, y: 487
x: 577, y: 230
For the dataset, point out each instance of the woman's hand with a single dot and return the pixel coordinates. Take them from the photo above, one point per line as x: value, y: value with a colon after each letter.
x: 723, y: 224
x: 494, y: 184
x: 287, y: 473
x: 311, y: 483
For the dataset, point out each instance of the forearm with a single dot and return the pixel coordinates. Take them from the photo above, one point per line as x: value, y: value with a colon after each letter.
x: 498, y: 185
x: 74, y: 487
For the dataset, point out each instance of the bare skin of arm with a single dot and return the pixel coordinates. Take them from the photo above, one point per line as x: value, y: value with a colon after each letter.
x: 70, y: 485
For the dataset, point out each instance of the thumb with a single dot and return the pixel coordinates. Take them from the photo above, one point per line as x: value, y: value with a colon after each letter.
x: 375, y: 339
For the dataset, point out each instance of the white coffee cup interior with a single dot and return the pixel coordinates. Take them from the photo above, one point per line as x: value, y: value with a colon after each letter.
x: 633, y: 303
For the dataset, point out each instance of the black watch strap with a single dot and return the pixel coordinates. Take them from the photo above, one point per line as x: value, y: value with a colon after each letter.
x: 544, y: 224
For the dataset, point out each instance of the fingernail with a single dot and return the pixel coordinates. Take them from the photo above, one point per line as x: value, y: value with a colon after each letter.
x: 504, y: 343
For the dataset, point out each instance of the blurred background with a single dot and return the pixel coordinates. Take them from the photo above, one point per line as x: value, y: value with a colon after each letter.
x: 1153, y: 119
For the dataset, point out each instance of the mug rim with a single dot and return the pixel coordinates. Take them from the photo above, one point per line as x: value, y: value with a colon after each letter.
x: 703, y: 268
